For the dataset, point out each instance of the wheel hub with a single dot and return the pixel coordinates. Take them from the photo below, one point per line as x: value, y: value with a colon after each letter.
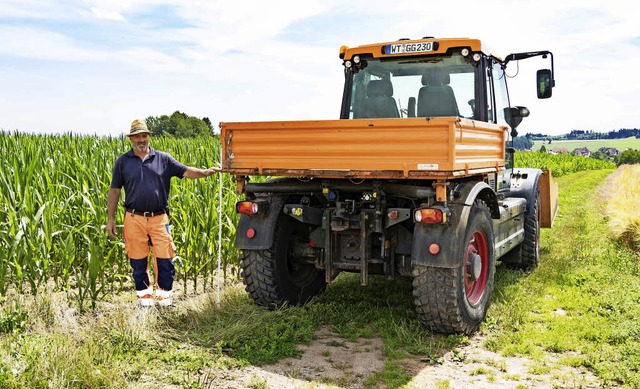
x: 475, y: 266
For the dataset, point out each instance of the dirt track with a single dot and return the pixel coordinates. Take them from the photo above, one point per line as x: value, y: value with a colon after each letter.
x: 332, y: 362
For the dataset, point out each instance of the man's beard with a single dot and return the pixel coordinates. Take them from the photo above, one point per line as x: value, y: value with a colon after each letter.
x: 141, y: 146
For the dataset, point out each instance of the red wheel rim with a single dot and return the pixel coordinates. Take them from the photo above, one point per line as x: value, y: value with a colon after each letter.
x: 475, y: 288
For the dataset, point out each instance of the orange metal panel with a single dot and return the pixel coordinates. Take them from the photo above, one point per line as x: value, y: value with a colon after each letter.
x: 413, y: 147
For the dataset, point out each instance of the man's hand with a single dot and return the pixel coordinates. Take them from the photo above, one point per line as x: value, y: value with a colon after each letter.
x: 195, y: 173
x: 211, y: 171
x: 111, y: 228
x: 112, y: 203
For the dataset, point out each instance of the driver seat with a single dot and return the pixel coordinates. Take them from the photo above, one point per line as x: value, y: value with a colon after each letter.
x: 379, y: 102
x: 436, y: 98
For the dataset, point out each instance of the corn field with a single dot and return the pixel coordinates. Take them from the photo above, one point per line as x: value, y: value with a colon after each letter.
x: 560, y: 164
x: 53, y: 215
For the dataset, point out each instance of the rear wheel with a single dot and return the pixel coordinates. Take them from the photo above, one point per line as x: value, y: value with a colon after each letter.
x: 281, y: 275
x: 527, y: 254
x: 452, y: 300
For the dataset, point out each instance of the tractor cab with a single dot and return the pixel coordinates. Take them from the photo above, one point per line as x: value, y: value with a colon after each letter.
x: 432, y: 78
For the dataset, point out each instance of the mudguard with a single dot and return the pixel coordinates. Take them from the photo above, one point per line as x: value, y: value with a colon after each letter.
x: 444, y: 236
x: 263, y: 225
x: 448, y: 235
x: 548, y: 199
x: 524, y: 184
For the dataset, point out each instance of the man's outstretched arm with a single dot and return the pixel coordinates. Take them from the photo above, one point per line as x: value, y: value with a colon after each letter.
x: 194, y: 172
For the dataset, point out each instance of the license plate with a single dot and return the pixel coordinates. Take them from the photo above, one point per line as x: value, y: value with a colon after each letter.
x: 403, y: 48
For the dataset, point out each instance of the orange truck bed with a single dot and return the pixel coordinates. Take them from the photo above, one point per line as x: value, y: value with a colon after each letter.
x: 422, y: 148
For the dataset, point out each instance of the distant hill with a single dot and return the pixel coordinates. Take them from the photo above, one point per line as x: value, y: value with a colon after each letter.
x: 592, y: 145
x: 622, y: 133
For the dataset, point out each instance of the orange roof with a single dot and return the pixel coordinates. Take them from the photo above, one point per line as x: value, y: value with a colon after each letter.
x: 443, y: 44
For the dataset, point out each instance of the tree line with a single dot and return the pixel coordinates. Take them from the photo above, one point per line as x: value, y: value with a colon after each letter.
x: 622, y: 133
x: 179, y: 125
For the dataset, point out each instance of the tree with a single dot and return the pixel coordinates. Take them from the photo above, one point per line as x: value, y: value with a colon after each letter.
x: 543, y: 149
x: 599, y: 154
x: 629, y: 157
x: 208, y: 122
x: 179, y: 125
x: 522, y: 143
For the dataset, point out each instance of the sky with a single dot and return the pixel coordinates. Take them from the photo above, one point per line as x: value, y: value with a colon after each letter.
x: 93, y: 66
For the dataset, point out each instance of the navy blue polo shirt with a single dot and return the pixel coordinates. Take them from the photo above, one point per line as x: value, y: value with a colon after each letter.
x: 146, y: 183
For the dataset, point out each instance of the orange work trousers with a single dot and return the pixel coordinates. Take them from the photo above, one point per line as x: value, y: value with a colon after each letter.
x: 142, y: 234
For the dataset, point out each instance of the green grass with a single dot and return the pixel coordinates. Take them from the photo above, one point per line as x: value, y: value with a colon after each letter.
x: 584, y: 297
x: 592, y: 145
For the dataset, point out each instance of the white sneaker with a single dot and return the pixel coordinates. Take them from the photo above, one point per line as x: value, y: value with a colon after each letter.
x: 164, y: 298
x: 145, y: 297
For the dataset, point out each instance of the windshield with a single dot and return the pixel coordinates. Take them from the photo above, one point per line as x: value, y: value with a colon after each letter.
x: 430, y: 86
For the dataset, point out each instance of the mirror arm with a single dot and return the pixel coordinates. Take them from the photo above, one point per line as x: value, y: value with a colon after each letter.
x: 553, y: 78
x: 529, y: 54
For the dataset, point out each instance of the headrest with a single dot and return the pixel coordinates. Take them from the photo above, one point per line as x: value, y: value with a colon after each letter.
x: 436, y: 77
x: 379, y: 88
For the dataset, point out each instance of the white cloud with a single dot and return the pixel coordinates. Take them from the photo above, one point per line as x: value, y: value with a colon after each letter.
x: 101, y: 13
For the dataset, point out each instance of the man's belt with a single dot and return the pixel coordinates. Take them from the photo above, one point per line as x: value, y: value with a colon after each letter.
x: 147, y: 213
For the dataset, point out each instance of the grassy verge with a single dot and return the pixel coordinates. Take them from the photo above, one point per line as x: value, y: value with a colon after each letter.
x: 583, y: 302
x: 621, y: 191
x: 50, y: 345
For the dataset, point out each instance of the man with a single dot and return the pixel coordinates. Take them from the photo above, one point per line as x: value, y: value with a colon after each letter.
x: 146, y: 174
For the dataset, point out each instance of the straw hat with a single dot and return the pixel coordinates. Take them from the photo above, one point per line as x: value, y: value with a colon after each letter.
x: 138, y: 127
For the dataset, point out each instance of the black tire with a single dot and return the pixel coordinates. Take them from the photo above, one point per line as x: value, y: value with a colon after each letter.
x: 527, y: 254
x: 276, y: 277
x: 456, y: 300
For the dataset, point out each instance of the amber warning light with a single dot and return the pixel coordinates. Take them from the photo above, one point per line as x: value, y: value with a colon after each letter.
x: 251, y: 207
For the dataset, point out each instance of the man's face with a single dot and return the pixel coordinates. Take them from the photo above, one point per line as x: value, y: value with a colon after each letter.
x: 140, y: 142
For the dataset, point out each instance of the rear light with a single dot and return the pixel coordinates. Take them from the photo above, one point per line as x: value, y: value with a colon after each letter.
x: 429, y: 216
x: 434, y: 248
x: 251, y: 207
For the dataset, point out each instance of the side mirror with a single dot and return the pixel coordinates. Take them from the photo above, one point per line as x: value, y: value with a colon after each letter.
x: 514, y: 116
x: 544, y: 83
